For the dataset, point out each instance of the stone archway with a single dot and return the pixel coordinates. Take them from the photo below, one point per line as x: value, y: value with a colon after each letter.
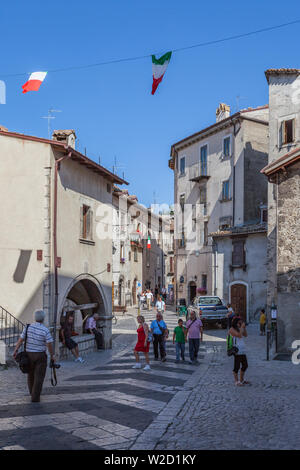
x: 84, y: 297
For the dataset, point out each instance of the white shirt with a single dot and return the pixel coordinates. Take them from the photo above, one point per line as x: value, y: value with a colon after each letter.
x: 149, y: 295
x: 160, y: 304
x: 37, y: 337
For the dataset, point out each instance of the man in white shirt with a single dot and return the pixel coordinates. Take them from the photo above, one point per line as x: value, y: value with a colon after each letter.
x: 149, y: 297
x: 38, y: 341
x: 160, y: 305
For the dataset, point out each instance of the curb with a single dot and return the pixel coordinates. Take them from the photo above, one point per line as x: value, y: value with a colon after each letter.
x: 151, y: 436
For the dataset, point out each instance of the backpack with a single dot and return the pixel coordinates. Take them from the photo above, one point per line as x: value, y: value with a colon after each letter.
x: 232, y: 350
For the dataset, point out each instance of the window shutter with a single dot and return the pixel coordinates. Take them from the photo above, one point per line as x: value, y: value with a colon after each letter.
x: 238, y: 253
x: 281, y: 134
x: 90, y: 230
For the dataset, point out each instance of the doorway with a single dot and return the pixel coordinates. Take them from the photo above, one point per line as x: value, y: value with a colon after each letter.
x: 238, y: 295
x: 192, y: 291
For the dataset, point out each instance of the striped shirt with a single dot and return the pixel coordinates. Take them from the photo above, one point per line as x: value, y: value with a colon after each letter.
x: 90, y: 323
x: 37, y: 337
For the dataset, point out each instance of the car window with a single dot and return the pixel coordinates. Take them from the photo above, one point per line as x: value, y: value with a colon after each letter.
x: 209, y: 301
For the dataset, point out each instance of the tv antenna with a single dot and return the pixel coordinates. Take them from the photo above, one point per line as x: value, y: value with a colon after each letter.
x: 49, y: 117
x: 117, y: 167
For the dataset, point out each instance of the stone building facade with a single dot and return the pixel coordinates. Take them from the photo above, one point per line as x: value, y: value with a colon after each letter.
x: 56, y: 230
x: 283, y: 172
x: 218, y: 187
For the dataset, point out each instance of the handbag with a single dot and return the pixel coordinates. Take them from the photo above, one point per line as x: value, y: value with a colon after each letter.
x: 150, y: 336
x: 22, y: 357
x: 164, y: 331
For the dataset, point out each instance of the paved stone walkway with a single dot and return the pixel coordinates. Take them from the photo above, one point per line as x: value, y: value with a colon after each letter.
x: 104, y: 404
x: 219, y: 415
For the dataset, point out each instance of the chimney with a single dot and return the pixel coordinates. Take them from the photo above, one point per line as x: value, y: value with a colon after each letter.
x: 3, y: 129
x: 67, y: 136
x: 222, y: 112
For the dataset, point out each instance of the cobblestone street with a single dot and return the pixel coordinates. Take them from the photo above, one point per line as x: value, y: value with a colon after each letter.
x: 104, y: 404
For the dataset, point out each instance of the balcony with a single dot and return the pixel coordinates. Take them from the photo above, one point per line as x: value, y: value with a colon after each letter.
x: 197, y: 175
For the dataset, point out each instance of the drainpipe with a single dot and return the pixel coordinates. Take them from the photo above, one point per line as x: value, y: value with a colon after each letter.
x: 56, y: 293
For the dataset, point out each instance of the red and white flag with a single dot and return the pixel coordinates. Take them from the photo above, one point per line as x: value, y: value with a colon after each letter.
x: 34, y: 82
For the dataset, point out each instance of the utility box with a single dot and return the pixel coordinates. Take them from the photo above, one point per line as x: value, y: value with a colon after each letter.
x: 3, y: 353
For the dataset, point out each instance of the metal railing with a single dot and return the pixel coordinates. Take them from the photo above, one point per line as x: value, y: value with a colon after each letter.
x: 10, y: 328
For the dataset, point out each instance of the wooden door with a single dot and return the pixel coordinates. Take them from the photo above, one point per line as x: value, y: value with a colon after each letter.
x: 239, y: 300
x: 134, y: 292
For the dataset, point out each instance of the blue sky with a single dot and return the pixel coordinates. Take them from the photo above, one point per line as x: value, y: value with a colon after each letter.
x: 111, y: 107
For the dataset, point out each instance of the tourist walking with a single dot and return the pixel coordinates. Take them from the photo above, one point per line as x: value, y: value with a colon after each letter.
x: 160, y: 332
x: 238, y: 332
x: 143, y: 344
x: 149, y: 297
x: 262, y: 322
x: 179, y: 338
x: 66, y: 338
x: 160, y: 305
x: 195, y: 334
x: 38, y: 340
x: 91, y: 327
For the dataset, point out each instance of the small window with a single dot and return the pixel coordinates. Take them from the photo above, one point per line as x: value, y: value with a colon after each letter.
x: 203, y: 161
x: 122, y: 253
x: 182, y: 201
x: 287, y: 132
x: 226, y: 147
x: 204, y: 281
x: 182, y: 166
x: 263, y: 215
x: 238, y: 253
x: 135, y: 257
x: 108, y: 187
x: 225, y: 191
x: 86, y: 222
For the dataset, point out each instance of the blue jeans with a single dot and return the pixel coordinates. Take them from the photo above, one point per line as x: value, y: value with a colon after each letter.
x: 180, y: 348
x: 194, y: 344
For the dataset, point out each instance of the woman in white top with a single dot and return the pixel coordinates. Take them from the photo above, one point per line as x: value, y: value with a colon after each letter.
x: 238, y: 332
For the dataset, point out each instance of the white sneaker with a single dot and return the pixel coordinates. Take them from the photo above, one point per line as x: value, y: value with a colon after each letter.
x: 79, y: 359
x: 138, y: 365
x: 147, y: 367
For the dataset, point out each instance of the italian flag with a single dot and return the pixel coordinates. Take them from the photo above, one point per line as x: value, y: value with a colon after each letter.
x: 159, y: 67
x: 34, y: 82
x: 149, y: 243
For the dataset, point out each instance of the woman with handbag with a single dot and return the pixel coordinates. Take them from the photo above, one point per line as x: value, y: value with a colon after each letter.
x: 143, y: 343
x: 238, y: 332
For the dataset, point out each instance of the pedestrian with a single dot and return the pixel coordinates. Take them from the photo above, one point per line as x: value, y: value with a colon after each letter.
x: 230, y: 315
x: 238, y: 332
x: 38, y: 341
x: 143, y: 300
x: 142, y: 344
x: 179, y: 338
x: 160, y: 305
x: 262, y: 322
x: 156, y: 292
x: 159, y: 330
x: 164, y: 294
x: 91, y: 327
x: 66, y: 338
x: 149, y: 297
x: 195, y: 333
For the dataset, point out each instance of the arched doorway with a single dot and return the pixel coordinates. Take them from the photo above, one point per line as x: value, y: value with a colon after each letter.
x: 134, y: 292
x: 83, y: 298
x: 192, y: 290
x: 238, y: 299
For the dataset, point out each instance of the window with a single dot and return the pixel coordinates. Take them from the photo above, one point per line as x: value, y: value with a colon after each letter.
x: 263, y: 215
x: 225, y: 191
x: 182, y: 166
x: 203, y: 194
x: 135, y: 255
x: 226, y: 147
x: 238, y: 253
x: 203, y: 161
x: 194, y: 219
x: 171, y: 264
x: 86, y: 222
x: 108, y: 187
x: 204, y: 281
x: 205, y: 241
x: 129, y: 256
x: 287, y: 132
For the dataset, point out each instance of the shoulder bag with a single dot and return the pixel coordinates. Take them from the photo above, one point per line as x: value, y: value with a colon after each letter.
x: 22, y: 357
